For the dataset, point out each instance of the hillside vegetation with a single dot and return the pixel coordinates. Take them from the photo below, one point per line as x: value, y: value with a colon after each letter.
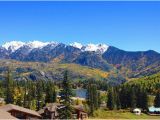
x: 53, y: 71
x: 150, y: 83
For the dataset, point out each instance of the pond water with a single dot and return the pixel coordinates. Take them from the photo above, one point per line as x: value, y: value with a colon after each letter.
x: 80, y: 93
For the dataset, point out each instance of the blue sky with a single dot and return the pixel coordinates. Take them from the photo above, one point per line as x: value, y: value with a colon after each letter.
x: 127, y: 25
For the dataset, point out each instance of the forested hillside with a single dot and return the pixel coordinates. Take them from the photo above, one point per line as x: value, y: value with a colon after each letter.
x: 149, y: 83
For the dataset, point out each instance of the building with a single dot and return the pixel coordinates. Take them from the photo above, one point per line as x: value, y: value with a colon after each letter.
x: 20, y: 112
x: 154, y: 111
x: 6, y: 115
x: 50, y: 111
x: 137, y: 111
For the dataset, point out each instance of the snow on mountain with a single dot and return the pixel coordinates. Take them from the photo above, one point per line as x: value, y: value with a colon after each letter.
x: 96, y: 47
x: 13, y: 45
x: 36, y: 44
x: 91, y: 47
x: 76, y: 45
x: 102, y: 47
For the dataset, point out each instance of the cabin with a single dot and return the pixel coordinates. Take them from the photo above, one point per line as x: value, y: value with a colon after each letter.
x: 137, y: 111
x: 153, y: 111
x: 20, y: 112
x: 50, y: 111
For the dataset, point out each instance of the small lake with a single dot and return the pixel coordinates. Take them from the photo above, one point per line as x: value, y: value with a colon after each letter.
x: 80, y: 93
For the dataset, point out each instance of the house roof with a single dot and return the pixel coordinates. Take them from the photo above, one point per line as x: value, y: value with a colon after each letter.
x: 6, y: 115
x: 153, y: 109
x: 10, y: 107
x: 50, y: 106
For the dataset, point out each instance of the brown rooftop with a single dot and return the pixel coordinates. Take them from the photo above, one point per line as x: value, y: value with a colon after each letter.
x: 6, y: 115
x: 10, y: 107
x: 50, y: 106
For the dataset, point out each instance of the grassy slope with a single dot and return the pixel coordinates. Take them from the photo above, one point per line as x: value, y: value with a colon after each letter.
x: 102, y: 114
x: 58, y: 68
x: 90, y: 72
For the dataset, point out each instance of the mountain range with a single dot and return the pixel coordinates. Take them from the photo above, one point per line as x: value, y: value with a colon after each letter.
x: 98, y: 56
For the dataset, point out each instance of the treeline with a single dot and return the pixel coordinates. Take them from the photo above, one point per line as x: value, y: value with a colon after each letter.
x: 127, y: 97
x: 130, y: 95
x: 150, y: 84
x: 29, y: 94
x: 135, y: 93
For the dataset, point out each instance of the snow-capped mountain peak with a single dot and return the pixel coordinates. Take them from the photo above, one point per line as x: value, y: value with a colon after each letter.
x: 76, y: 45
x: 36, y: 44
x: 13, y: 45
x: 96, y: 47
x: 91, y: 47
x: 102, y: 47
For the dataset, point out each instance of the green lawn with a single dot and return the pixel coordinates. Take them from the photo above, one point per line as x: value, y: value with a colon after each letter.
x: 103, y: 114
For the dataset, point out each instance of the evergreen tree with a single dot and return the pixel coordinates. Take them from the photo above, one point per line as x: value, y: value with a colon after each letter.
x: 26, y: 99
x: 66, y: 94
x: 142, y: 98
x: 157, y: 100
x: 93, y: 97
x: 40, y: 100
x: 111, y: 99
x: 145, y: 100
x: 29, y: 94
x: 50, y: 92
x: 9, y: 87
x: 133, y: 98
x: 118, y: 102
x: 99, y: 99
x: 25, y: 95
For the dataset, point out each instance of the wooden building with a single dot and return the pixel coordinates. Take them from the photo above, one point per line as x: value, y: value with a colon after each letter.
x: 50, y: 111
x: 20, y: 112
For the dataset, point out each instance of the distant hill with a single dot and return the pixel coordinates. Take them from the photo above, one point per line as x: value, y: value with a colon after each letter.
x: 54, y: 71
